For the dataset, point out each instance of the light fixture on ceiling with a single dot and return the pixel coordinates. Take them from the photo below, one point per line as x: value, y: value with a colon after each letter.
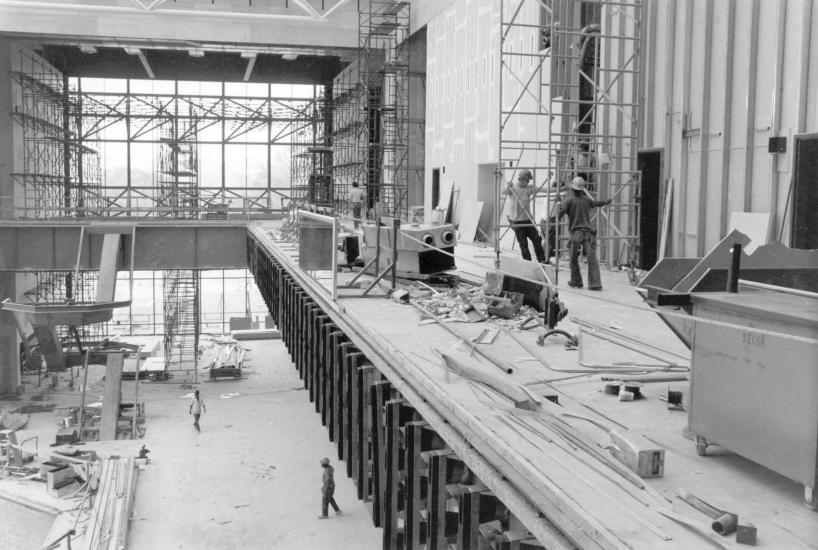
x: 196, y: 52
x: 289, y: 56
x: 87, y: 48
x: 131, y: 50
x: 248, y: 55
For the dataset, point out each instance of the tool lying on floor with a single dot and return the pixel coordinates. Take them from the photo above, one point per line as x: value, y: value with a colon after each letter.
x: 724, y: 523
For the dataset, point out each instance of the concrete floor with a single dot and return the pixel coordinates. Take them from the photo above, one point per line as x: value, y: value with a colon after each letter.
x: 250, y: 480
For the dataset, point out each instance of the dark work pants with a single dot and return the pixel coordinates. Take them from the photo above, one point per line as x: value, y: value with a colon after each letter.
x: 583, y: 240
x: 328, y: 500
x: 356, y: 213
x: 525, y: 231
x: 196, y: 421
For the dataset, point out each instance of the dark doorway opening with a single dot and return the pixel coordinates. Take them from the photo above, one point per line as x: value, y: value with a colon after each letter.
x: 650, y: 165
x: 435, y: 187
x: 805, y: 193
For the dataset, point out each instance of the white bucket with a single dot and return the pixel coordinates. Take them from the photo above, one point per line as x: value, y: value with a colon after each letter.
x: 438, y: 215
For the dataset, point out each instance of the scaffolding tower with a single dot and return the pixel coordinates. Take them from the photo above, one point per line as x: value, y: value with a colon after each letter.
x: 349, y: 135
x: 59, y: 173
x: 180, y: 295
x: 311, y: 167
x: 383, y: 76
x: 178, y: 189
x: 569, y: 79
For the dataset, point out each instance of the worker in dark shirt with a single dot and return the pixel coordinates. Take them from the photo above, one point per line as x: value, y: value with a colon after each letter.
x: 578, y: 208
x: 328, y: 490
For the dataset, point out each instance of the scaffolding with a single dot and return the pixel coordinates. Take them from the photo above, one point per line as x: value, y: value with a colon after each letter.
x: 311, y: 167
x: 383, y: 77
x: 178, y: 178
x: 59, y: 173
x: 349, y: 135
x: 178, y: 198
x: 568, y: 107
x: 180, y: 295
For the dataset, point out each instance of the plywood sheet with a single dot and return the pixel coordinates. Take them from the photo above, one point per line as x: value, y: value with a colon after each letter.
x: 469, y: 221
x: 756, y: 225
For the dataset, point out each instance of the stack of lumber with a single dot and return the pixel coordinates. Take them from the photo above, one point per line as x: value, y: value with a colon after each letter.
x: 107, y: 526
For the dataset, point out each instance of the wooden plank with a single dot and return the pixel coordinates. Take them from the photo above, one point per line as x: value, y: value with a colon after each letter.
x: 112, y: 396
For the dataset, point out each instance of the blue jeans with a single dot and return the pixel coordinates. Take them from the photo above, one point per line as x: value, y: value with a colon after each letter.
x: 583, y: 239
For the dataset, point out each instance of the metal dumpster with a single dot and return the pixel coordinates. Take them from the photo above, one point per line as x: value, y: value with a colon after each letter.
x: 753, y: 391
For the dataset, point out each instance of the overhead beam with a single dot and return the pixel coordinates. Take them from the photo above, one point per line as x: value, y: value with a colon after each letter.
x: 145, y: 64
x: 155, y: 245
x: 251, y: 62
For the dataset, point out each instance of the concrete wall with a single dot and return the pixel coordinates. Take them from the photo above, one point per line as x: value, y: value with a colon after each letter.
x: 721, y: 78
x: 462, y: 100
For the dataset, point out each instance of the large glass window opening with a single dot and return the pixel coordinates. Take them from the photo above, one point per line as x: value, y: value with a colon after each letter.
x: 189, y: 149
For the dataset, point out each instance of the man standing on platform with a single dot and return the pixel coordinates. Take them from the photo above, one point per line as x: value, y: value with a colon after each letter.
x: 328, y: 490
x: 578, y: 208
x: 520, y: 218
x: 357, y: 197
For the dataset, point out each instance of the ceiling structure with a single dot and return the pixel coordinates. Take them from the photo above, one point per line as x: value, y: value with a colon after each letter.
x: 282, y: 41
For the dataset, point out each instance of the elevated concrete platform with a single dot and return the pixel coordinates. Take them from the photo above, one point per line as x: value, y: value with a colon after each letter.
x: 549, y: 468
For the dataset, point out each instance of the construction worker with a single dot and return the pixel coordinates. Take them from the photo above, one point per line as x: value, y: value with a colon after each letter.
x: 520, y: 218
x: 357, y: 197
x: 578, y: 208
x: 197, y: 407
x: 328, y: 490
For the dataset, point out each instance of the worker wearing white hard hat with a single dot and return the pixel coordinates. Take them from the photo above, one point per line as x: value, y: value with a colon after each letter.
x: 578, y: 209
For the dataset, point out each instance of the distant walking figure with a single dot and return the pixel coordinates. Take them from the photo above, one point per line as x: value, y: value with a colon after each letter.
x: 328, y: 490
x: 197, y: 407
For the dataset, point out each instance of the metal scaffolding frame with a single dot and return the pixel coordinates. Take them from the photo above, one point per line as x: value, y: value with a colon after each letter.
x: 59, y: 173
x: 180, y: 309
x: 49, y: 110
x: 383, y: 77
x: 349, y: 137
x: 569, y: 79
x: 311, y: 167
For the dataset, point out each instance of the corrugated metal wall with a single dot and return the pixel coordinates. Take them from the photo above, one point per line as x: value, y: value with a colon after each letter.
x: 721, y: 77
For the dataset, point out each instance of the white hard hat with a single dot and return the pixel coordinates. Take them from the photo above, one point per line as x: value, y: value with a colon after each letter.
x: 578, y: 183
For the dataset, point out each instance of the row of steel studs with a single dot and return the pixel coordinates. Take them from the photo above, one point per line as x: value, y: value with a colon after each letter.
x: 421, y: 493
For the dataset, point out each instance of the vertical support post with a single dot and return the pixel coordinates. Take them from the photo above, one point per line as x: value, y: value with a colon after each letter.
x: 395, y: 415
x: 468, y: 518
x: 415, y: 468
x: 112, y: 397
x: 377, y: 245
x: 363, y: 428
x: 395, y: 229
x: 378, y: 396
x: 733, y: 271
x: 437, y: 496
